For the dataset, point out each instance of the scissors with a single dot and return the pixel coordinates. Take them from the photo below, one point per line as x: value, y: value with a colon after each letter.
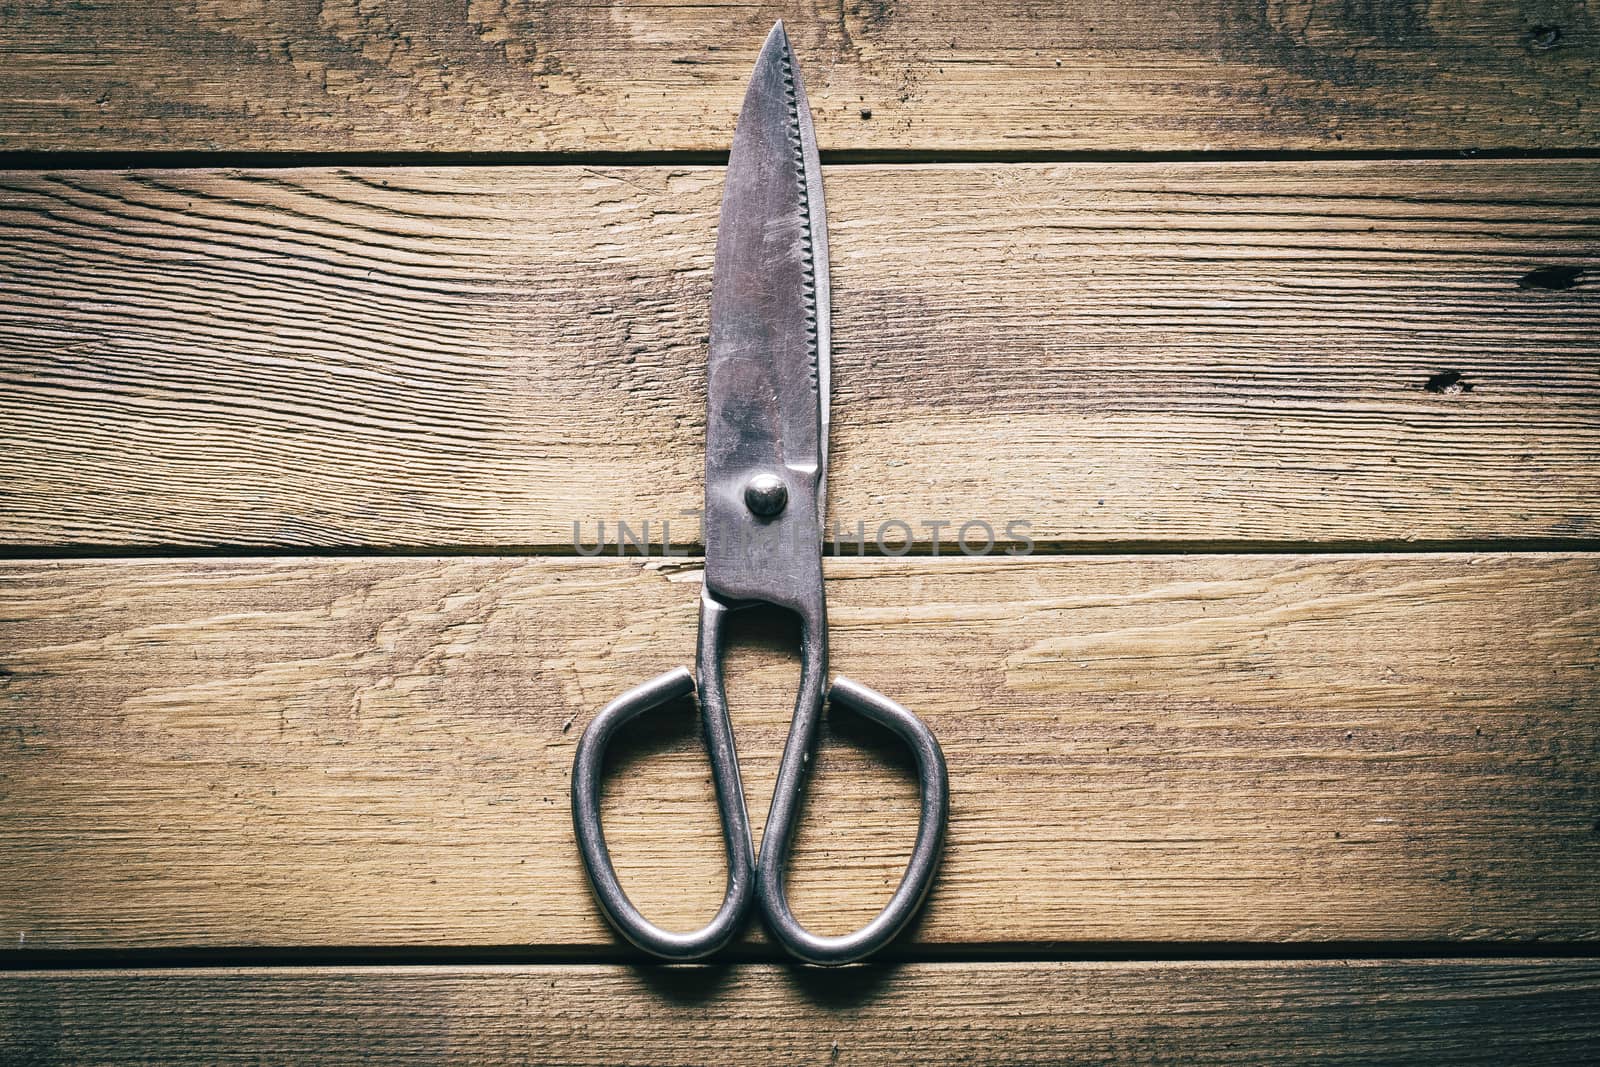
x: 765, y: 486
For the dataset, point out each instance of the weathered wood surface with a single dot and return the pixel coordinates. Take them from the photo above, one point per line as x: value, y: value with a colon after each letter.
x: 1384, y: 1011
x: 1180, y: 354
x: 428, y: 75
x: 352, y: 752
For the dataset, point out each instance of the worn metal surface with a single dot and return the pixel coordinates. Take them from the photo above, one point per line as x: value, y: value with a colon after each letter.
x: 766, y: 468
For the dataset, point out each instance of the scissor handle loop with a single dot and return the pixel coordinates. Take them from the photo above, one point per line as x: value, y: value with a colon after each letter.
x: 751, y: 879
x: 718, y: 732
x: 934, y: 786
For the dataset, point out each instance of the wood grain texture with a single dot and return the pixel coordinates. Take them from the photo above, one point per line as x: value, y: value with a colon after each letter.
x: 524, y: 75
x: 1176, y: 354
x: 1391, y: 1011
x: 371, y: 752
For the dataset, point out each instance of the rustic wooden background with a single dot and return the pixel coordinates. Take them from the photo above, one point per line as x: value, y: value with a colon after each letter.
x: 320, y: 323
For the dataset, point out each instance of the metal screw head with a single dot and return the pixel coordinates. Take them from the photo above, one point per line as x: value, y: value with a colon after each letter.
x: 766, y: 495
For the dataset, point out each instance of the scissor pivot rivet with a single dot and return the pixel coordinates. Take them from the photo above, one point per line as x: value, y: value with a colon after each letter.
x: 766, y: 495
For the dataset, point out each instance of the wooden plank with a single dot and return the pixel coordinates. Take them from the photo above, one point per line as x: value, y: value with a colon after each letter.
x: 1521, y: 1011
x: 359, y: 752
x: 1003, y: 76
x: 1182, y: 354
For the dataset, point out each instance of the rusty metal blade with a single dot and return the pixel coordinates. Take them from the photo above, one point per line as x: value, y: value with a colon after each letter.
x: 768, y: 370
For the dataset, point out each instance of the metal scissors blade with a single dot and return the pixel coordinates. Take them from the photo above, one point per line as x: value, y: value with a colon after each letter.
x: 765, y: 437
x: 766, y: 470
x: 770, y: 298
